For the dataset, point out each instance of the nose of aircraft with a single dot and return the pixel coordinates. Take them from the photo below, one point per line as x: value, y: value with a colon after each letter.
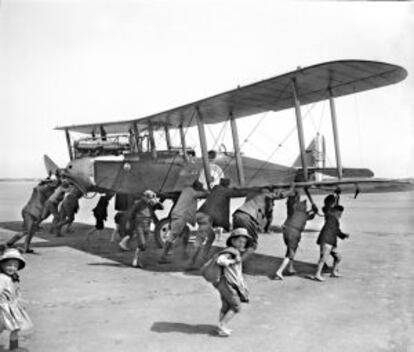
x: 82, y: 170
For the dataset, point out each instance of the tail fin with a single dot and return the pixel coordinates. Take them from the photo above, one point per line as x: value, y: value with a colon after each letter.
x: 316, y: 162
x: 314, y: 153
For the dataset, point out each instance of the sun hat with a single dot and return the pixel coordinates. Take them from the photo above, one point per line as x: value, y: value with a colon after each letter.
x: 239, y: 232
x: 13, y: 253
x: 150, y: 194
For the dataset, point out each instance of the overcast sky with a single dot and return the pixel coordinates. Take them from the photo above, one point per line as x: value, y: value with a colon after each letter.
x: 70, y: 62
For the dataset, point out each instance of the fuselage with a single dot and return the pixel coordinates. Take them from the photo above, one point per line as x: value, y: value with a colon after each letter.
x: 170, y: 172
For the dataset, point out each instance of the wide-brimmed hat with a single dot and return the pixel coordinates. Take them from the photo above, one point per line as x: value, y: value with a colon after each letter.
x: 13, y: 253
x: 150, y: 194
x: 239, y: 232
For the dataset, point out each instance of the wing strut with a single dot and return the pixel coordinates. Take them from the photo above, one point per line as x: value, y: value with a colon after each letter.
x: 203, y: 144
x: 236, y: 145
x: 183, y: 144
x: 152, y: 140
x: 69, y: 144
x: 167, y: 136
x: 300, y: 130
x: 136, y: 137
x: 335, y: 134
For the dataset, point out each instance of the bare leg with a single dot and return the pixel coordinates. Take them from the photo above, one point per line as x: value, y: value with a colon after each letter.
x: 123, y: 244
x: 115, y: 233
x: 224, y: 319
x: 337, y: 260
x: 136, y: 261
x: 279, y: 272
x: 323, y: 257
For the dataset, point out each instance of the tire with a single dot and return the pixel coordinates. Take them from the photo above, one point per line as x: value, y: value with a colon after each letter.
x: 161, y: 231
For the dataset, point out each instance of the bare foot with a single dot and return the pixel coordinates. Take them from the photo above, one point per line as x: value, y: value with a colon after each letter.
x: 277, y: 276
x: 318, y: 278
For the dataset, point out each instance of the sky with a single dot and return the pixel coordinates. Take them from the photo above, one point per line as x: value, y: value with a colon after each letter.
x: 74, y: 62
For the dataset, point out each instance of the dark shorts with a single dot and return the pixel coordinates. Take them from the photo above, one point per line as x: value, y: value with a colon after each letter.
x: 291, y: 238
x: 118, y: 217
x: 99, y: 224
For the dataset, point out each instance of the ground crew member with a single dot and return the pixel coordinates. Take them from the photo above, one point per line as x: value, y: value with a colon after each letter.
x: 183, y: 212
x: 68, y: 208
x: 32, y: 213
x: 252, y: 216
x: 292, y: 232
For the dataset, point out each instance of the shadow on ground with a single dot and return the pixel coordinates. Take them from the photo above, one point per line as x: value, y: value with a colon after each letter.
x: 257, y: 264
x: 200, y: 329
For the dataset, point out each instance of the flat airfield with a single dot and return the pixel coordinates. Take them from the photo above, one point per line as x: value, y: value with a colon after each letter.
x: 83, y: 296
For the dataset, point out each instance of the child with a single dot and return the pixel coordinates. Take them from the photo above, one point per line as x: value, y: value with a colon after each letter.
x: 12, y: 316
x: 139, y: 218
x: 292, y: 233
x: 327, y: 241
x: 232, y: 287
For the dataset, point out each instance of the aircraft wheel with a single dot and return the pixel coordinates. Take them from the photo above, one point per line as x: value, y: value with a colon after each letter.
x: 161, y: 231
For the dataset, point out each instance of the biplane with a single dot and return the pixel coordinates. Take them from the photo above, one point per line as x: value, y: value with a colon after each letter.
x: 123, y: 157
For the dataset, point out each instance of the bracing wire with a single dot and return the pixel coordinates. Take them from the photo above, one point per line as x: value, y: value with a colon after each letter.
x: 175, y: 156
x: 217, y: 139
x: 307, y: 113
x: 254, y: 129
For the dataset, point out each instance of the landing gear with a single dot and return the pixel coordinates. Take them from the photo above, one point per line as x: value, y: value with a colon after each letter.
x: 161, y: 232
x: 162, y: 228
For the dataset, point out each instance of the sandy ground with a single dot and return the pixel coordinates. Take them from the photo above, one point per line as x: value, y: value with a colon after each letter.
x: 85, y: 297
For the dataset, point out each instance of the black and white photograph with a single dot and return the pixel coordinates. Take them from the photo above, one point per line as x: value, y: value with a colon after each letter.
x: 181, y: 176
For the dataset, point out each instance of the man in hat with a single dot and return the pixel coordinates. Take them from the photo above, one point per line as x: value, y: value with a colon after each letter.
x: 183, y: 212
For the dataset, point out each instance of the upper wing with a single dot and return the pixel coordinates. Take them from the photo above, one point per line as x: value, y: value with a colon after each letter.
x: 313, y: 83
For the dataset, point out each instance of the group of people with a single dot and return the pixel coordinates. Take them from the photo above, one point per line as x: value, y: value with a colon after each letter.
x: 60, y: 198
x: 243, y: 239
x: 52, y: 196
